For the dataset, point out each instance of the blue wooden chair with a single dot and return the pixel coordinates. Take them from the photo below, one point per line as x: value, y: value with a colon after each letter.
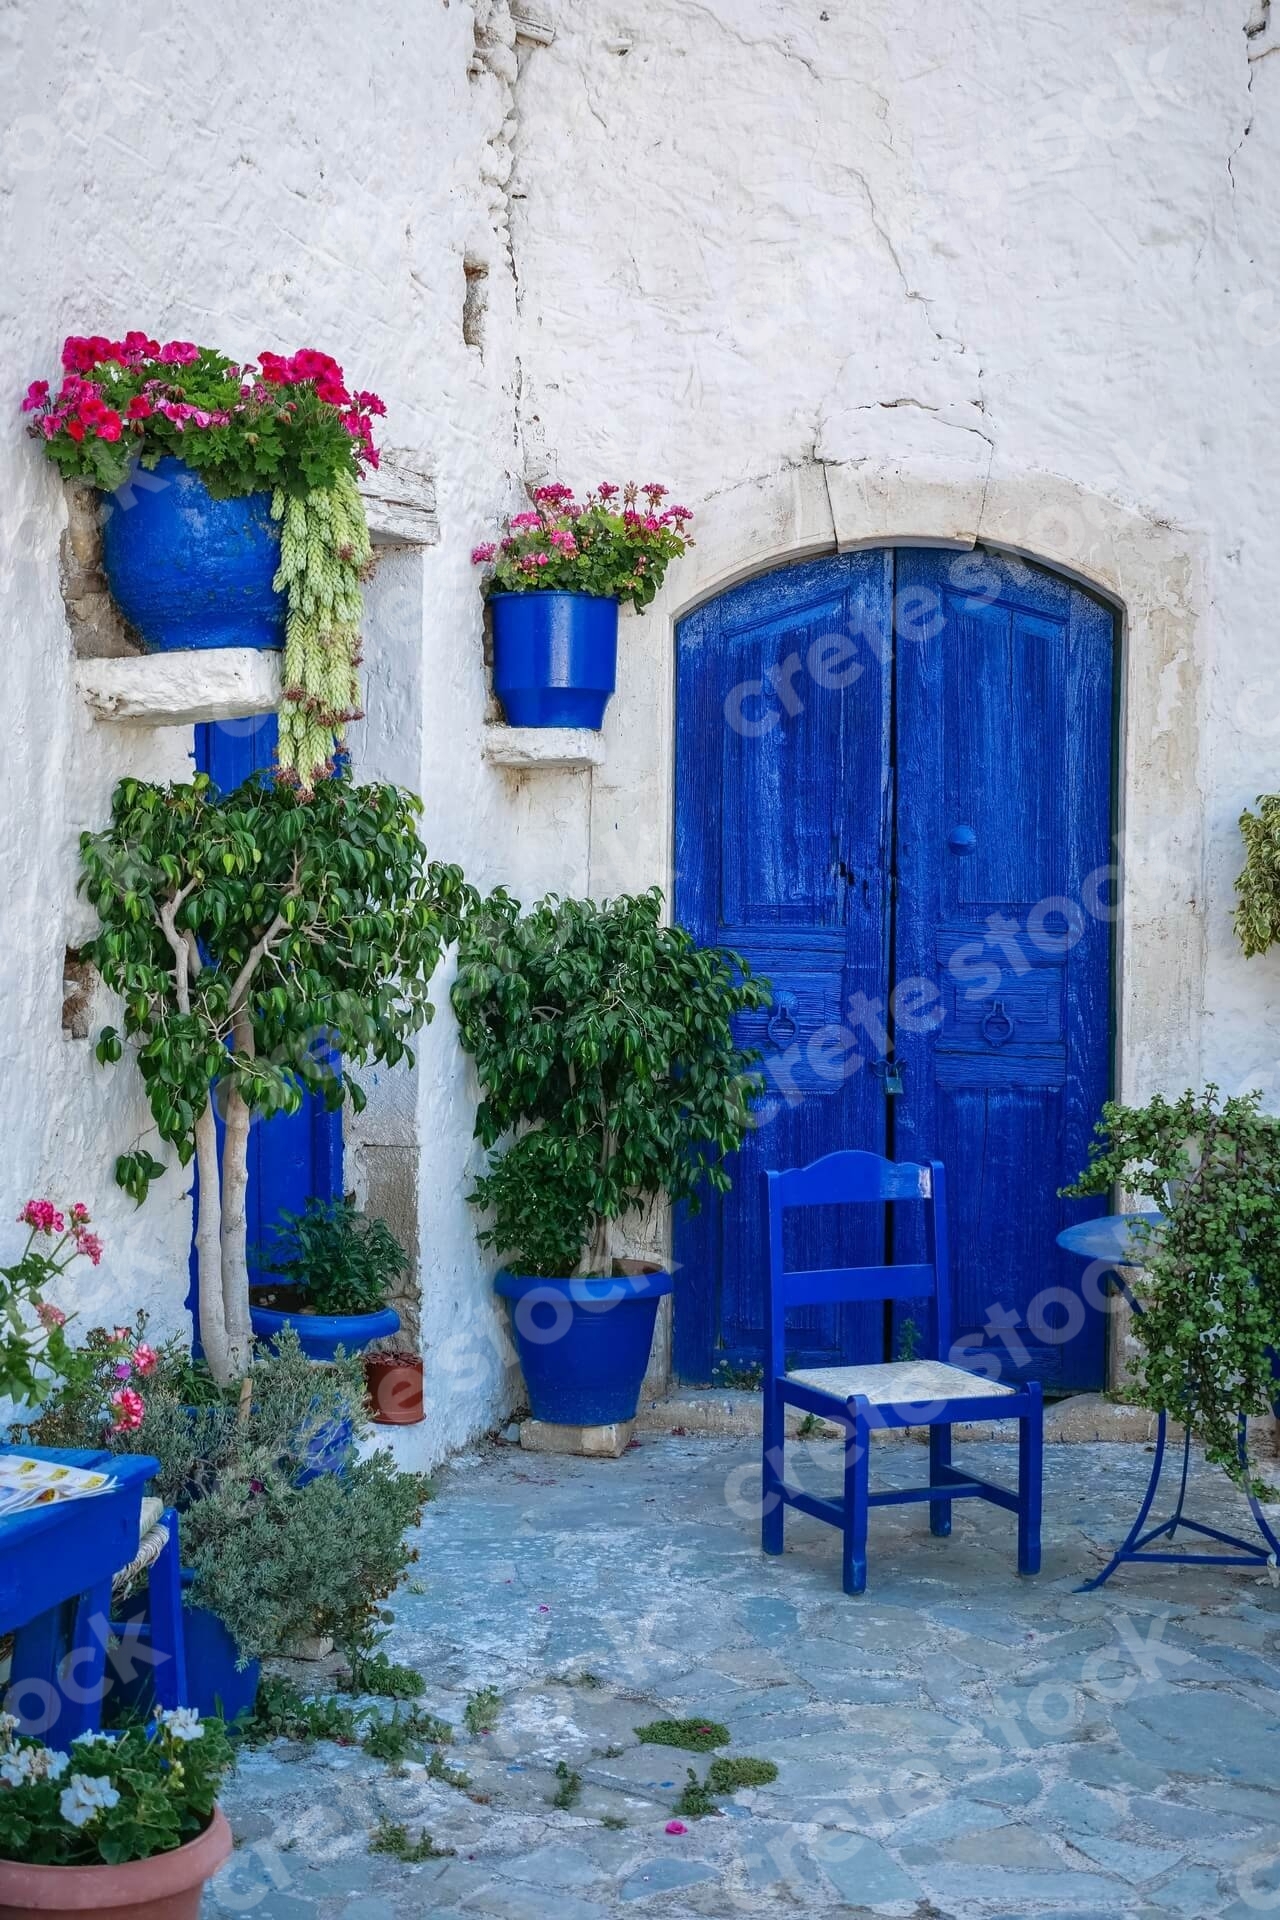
x: 906, y: 1393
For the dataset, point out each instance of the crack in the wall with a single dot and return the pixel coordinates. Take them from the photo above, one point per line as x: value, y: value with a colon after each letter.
x: 1258, y: 23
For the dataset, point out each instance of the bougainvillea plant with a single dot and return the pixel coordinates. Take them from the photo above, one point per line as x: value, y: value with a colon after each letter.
x: 35, y: 1353
x: 603, y: 1040
x: 262, y: 944
x: 287, y: 425
x: 1210, y: 1282
x: 617, y: 543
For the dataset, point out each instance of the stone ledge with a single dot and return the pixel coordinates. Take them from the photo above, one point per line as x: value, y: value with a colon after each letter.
x: 181, y: 689
x: 1080, y: 1417
x: 522, y: 747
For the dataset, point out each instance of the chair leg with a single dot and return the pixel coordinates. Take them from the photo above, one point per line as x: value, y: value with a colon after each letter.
x: 168, y: 1639
x: 857, y: 1468
x: 939, y: 1457
x: 772, y: 1505
x: 1030, y: 1469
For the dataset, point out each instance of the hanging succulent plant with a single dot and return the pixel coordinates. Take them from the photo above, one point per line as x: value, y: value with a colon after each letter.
x: 324, y: 550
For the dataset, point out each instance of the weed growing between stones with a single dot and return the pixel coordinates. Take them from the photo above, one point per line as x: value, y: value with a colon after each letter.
x: 569, y: 1791
x: 390, y: 1837
x: 696, y: 1801
x: 482, y: 1711
x: 727, y: 1775
x: 695, y: 1736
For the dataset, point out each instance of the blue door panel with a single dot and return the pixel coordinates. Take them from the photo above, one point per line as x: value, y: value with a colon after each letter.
x: 1003, y: 814
x: 295, y: 1155
x: 779, y: 682
x: 899, y: 827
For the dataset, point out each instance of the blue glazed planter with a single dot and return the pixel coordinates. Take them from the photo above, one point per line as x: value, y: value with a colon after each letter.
x: 321, y: 1334
x: 584, y: 1344
x: 214, y: 1683
x: 555, y: 657
x: 190, y: 571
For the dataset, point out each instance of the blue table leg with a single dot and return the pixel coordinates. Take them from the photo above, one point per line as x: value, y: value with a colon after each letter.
x: 1136, y: 1542
x: 59, y: 1664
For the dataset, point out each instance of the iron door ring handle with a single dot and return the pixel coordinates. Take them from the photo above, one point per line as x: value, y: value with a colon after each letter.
x: 782, y: 1026
x: 1003, y: 1021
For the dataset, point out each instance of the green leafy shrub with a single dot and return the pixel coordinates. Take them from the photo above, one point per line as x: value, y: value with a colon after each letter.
x: 1210, y: 1284
x: 275, y: 1560
x: 338, y: 1259
x: 115, y: 1796
x: 603, y: 1040
x: 263, y: 945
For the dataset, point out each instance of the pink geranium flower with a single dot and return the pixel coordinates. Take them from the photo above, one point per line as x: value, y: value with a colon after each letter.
x: 49, y: 1315
x: 42, y: 1217
x: 145, y: 1358
x: 130, y: 1410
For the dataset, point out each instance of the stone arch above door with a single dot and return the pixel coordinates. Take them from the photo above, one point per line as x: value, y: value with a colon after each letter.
x: 1150, y: 570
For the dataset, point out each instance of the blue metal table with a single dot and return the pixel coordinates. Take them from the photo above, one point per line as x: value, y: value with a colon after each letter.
x: 1112, y: 1241
x: 57, y: 1563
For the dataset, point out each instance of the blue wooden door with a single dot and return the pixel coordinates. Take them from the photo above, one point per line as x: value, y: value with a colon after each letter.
x: 295, y: 1155
x: 905, y: 823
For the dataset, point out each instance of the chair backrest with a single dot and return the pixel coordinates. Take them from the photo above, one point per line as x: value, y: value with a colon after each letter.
x: 840, y: 1179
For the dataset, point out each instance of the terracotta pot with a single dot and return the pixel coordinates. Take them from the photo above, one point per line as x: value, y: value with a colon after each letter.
x: 394, y: 1385
x: 166, y: 1887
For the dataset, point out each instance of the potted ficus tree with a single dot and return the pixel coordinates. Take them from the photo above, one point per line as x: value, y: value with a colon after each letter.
x: 126, y: 1823
x: 553, y: 581
x: 232, y: 516
x: 603, y: 1041
x: 262, y: 943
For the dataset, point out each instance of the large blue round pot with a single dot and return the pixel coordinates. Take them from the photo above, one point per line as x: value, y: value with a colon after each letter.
x: 190, y: 571
x: 555, y: 657
x: 584, y: 1344
x: 321, y: 1334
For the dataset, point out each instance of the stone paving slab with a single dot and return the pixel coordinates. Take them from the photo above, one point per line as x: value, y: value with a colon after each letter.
x: 956, y: 1744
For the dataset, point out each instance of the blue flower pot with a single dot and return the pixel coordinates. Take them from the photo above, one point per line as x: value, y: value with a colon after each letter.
x: 214, y: 1682
x: 584, y: 1344
x: 321, y: 1334
x: 190, y: 571
x: 555, y: 657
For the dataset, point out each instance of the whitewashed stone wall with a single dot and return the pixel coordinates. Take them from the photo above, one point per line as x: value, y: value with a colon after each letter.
x: 841, y: 274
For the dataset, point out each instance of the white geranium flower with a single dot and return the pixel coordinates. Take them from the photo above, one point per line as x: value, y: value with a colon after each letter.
x: 56, y: 1765
x: 94, y: 1738
x: 18, y: 1767
x: 87, y: 1796
x: 8, y: 1726
x: 181, y: 1723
